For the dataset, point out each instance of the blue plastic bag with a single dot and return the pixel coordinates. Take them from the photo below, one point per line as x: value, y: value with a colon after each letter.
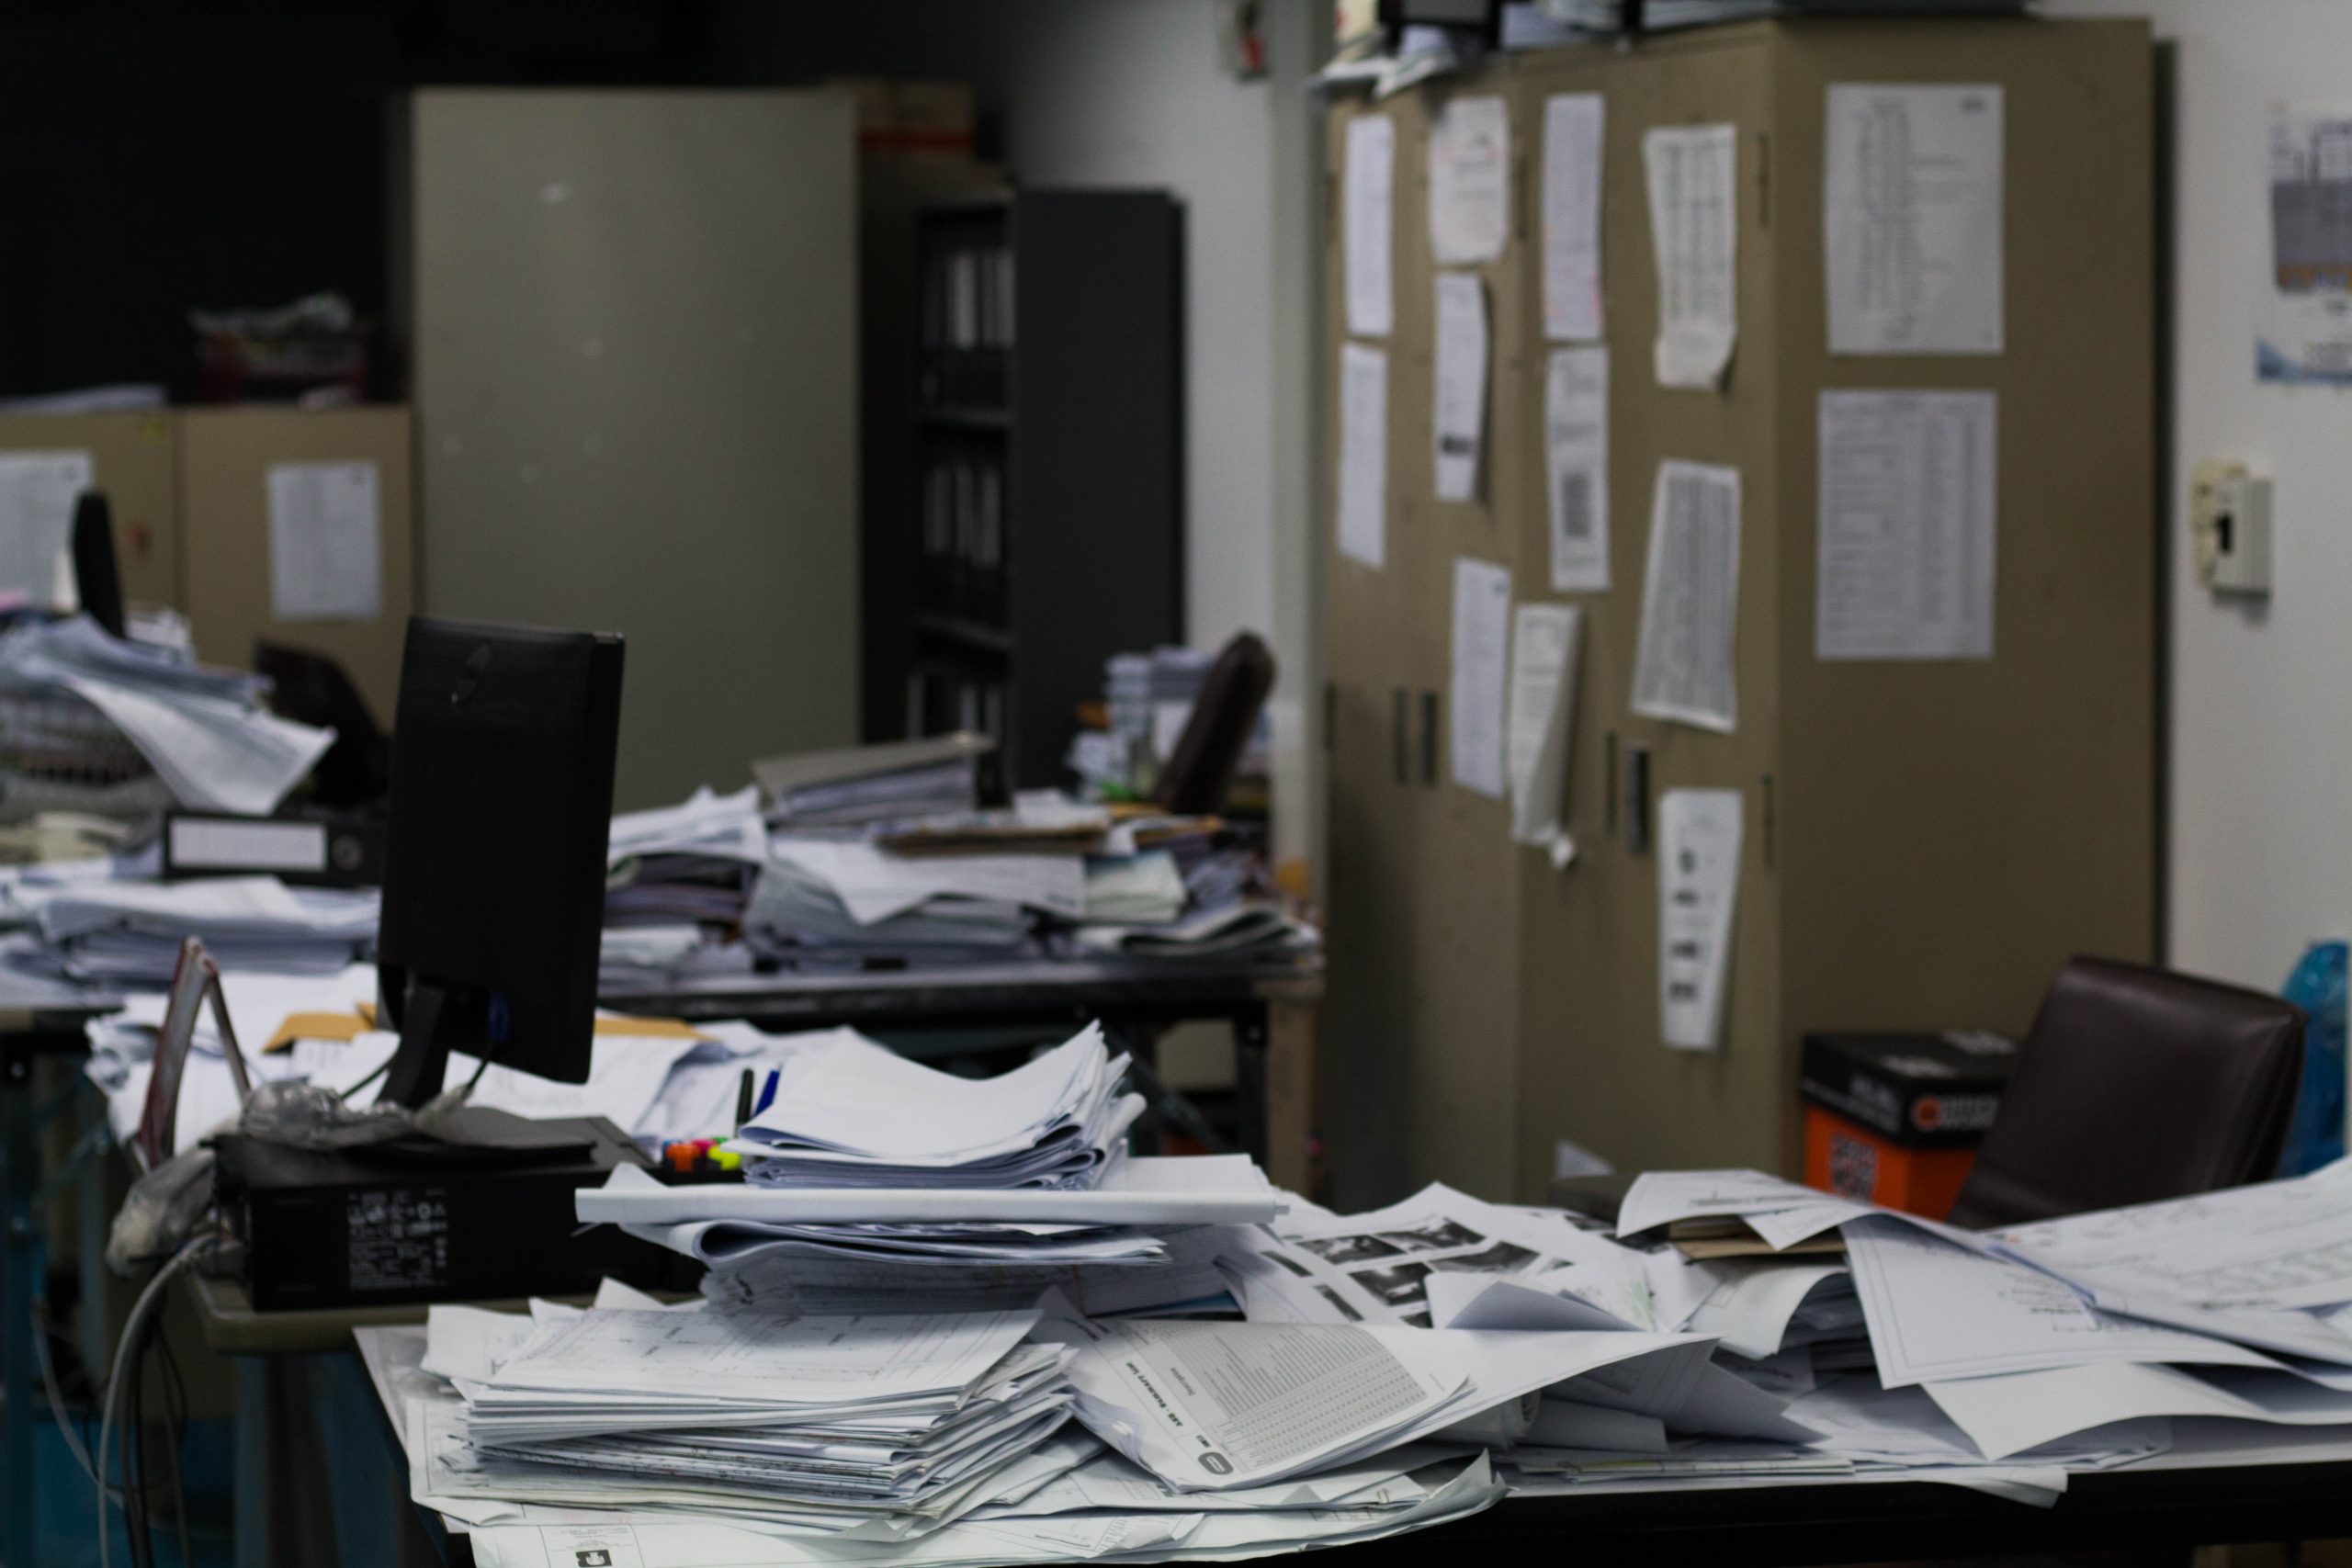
x: 2315, y: 1136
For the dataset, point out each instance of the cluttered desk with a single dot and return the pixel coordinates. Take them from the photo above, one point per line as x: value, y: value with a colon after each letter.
x: 796, y: 1297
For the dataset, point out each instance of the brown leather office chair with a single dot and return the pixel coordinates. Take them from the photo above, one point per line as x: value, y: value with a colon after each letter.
x: 2135, y: 1085
x: 1200, y: 771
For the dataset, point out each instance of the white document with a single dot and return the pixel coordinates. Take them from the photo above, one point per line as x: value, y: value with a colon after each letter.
x: 1469, y: 181
x: 1751, y: 1306
x: 1905, y: 531
x: 1576, y: 467
x: 2303, y: 310
x: 1481, y: 674
x: 1543, y: 720
x: 1694, y: 225
x: 1123, y: 1199
x: 1697, y: 889
x: 1661, y: 1197
x: 1572, y: 173
x: 2004, y: 1415
x: 214, y: 755
x: 1682, y: 667
x: 1371, y: 226
x: 1459, y: 411
x: 326, y: 529
x: 1364, y: 454
x: 873, y: 884
x: 1912, y: 213
x: 1936, y: 1311
x: 37, y: 492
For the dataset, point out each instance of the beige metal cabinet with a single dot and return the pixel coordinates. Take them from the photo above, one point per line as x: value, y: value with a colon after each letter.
x: 1924, y: 840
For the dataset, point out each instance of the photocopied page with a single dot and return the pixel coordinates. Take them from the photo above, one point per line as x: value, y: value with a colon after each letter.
x: 1697, y: 890
x: 1682, y: 664
x: 1572, y: 142
x: 1904, y: 538
x: 1694, y: 227
x: 1576, y: 467
x: 1912, y: 210
x: 1364, y: 454
x: 1481, y: 674
x: 326, y: 526
x: 1543, y: 719
x: 38, y: 491
x: 1371, y: 223
x: 1460, y: 414
x: 1469, y: 167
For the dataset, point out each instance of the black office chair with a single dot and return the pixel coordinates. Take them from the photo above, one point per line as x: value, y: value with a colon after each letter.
x: 97, y: 577
x: 2135, y: 1085
x: 1200, y: 771
x: 311, y: 688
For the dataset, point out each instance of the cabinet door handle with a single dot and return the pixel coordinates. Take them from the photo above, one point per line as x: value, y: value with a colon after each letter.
x: 1428, y: 739
x: 1399, y: 735
x: 1638, y: 800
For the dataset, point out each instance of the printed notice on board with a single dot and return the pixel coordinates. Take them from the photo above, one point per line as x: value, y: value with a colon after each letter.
x: 325, y: 542
x: 2303, y: 318
x: 1698, y: 891
x: 1469, y: 182
x: 1682, y: 665
x: 1481, y: 672
x: 1460, y: 413
x: 1576, y: 467
x: 1694, y: 228
x: 1371, y: 178
x: 1572, y: 133
x: 1364, y: 454
x: 1905, y: 525
x: 1911, y: 207
x: 1543, y: 718
x: 37, y: 492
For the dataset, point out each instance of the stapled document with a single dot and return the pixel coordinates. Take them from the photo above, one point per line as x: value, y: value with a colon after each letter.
x: 1697, y: 890
x: 326, y: 525
x: 1364, y: 454
x: 1572, y: 169
x: 1481, y: 674
x: 1542, y: 714
x: 1694, y: 225
x: 1371, y: 176
x: 1905, y: 528
x: 1459, y: 417
x: 1683, y: 663
x: 1911, y: 210
x: 1469, y: 157
x: 37, y: 492
x: 1576, y: 467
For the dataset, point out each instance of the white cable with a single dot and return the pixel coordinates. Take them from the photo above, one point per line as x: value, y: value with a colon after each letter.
x: 131, y: 1327
x: 65, y: 1427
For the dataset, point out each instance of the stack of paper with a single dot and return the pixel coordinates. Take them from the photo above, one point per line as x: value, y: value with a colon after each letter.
x: 693, y: 862
x: 854, y: 1114
x: 204, y: 732
x: 864, y: 785
x: 854, y: 899
x: 1138, y: 889
x: 130, y: 932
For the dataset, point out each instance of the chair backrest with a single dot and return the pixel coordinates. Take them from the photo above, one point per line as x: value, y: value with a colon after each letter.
x: 2135, y: 1085
x: 97, y: 576
x: 312, y: 688
x: 1201, y: 769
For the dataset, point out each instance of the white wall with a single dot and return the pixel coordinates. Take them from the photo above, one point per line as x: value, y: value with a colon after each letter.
x: 2261, y: 701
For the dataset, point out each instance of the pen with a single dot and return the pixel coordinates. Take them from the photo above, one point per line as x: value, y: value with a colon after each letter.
x: 744, y: 1099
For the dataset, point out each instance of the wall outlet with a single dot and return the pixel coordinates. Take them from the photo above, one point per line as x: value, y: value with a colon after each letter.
x: 2229, y: 526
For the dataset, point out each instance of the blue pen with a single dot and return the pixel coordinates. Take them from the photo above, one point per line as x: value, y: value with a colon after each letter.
x: 767, y: 1091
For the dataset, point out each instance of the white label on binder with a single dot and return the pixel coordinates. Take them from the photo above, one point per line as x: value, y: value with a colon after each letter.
x: 1469, y: 181
x: 1694, y: 227
x: 1372, y: 164
x: 1572, y: 142
x: 1905, y: 525
x: 1481, y: 673
x: 1460, y: 414
x: 1697, y: 889
x: 1364, y: 454
x: 1576, y: 467
x: 1682, y: 667
x: 1911, y: 207
x: 325, y: 542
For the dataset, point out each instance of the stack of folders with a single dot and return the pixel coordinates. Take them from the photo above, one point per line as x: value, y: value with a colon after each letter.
x: 130, y: 932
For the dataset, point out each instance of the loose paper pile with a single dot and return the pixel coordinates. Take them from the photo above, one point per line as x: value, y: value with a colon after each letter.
x: 130, y: 932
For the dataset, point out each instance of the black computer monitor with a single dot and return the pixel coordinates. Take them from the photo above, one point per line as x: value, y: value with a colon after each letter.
x: 501, y: 813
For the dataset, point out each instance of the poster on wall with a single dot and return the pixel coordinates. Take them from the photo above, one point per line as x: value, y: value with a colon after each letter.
x: 2303, y: 325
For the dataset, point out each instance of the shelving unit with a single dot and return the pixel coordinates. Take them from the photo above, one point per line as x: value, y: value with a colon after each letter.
x: 1048, y: 531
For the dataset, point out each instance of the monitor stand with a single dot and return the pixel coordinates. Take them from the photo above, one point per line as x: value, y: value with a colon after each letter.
x: 436, y: 1021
